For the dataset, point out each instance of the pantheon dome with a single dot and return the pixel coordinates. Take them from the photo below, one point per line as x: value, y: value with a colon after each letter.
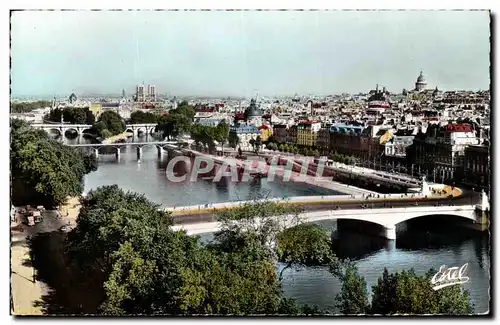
x: 421, y: 83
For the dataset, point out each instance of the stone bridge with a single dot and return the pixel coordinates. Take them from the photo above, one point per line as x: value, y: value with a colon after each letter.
x: 382, y: 213
x: 81, y: 128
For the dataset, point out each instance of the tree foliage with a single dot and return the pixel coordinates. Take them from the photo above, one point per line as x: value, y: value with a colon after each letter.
x: 110, y: 121
x: 398, y: 293
x: 139, y: 117
x: 178, y: 121
x: 141, y: 266
x: 72, y: 115
x: 43, y: 170
x: 26, y: 107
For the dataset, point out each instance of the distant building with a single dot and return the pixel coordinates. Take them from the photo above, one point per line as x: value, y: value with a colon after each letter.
x: 265, y: 132
x: 245, y: 133
x: 307, y: 133
x: 421, y: 83
x: 139, y: 93
x: 152, y: 93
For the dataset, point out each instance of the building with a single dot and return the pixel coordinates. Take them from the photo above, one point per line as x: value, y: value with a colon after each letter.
x: 323, y: 140
x: 96, y: 110
x: 152, y: 93
x: 421, y: 83
x: 307, y: 133
x: 245, y: 133
x: 477, y: 166
x: 265, y: 132
x: 346, y: 139
x: 139, y: 94
x: 291, y: 135
x: 280, y: 133
x: 253, y: 114
x: 439, y: 152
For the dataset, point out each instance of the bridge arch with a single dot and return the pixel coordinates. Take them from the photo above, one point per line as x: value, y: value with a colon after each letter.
x: 54, y: 130
x: 72, y: 129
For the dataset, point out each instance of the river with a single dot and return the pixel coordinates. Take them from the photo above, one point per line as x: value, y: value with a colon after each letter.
x: 420, y: 246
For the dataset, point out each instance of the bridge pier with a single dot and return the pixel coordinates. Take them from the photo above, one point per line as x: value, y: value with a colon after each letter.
x: 139, y: 153
x: 96, y: 153
x: 118, y: 153
x: 390, y: 232
x: 160, y: 151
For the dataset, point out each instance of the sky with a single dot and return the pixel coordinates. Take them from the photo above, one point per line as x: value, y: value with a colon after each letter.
x: 244, y: 53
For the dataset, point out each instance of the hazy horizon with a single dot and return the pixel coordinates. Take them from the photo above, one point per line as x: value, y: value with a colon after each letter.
x: 241, y: 53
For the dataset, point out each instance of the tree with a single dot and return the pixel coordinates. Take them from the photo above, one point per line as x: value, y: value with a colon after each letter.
x: 126, y: 251
x: 73, y: 115
x: 353, y: 298
x: 44, y: 171
x: 26, y: 107
x: 398, y: 293
x: 257, y: 144
x: 233, y: 139
x: 139, y: 117
x: 112, y: 121
x: 304, y: 245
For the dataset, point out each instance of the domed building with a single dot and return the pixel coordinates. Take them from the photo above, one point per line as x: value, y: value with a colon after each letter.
x: 253, y: 114
x: 421, y: 83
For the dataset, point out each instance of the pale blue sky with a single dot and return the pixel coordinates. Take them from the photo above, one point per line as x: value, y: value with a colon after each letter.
x: 241, y: 53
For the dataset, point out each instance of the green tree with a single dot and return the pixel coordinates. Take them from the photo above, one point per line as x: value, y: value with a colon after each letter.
x: 353, y: 297
x: 233, y: 139
x: 398, y: 293
x: 44, y: 171
x: 304, y: 245
x: 139, y: 117
x: 26, y: 107
x: 112, y: 121
x: 126, y: 250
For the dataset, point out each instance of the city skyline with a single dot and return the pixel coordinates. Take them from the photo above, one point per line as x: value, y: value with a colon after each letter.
x: 241, y: 53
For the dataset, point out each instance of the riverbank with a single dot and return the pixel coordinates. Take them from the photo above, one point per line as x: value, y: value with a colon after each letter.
x: 26, y: 290
x: 113, y: 139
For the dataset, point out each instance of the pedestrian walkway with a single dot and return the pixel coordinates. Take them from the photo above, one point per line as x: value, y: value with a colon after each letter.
x: 24, y: 289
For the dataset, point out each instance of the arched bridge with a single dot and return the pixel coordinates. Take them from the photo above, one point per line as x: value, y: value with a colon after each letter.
x: 62, y: 128
x: 386, y: 212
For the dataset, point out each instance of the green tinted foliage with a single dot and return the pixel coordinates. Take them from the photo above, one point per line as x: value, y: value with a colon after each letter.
x: 398, y: 293
x: 145, y: 267
x: 42, y: 169
x: 139, y: 117
x: 26, y: 107
x: 112, y: 121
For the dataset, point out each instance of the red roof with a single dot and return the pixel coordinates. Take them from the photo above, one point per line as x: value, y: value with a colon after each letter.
x: 219, y: 105
x: 266, y: 116
x: 458, y: 128
x: 239, y: 116
x: 263, y: 127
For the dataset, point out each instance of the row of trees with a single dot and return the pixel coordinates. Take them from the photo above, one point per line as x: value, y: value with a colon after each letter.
x: 126, y: 253
x: 178, y: 121
x: 209, y: 136
x: 73, y: 115
x: 109, y: 124
x: 139, y: 117
x: 345, y: 159
x: 26, y: 107
x: 44, y: 171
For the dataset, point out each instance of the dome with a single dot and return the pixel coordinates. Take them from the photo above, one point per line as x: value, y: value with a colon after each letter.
x: 421, y: 78
x: 253, y: 110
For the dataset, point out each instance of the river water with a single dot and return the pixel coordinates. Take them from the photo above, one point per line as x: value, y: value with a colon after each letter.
x: 420, y: 245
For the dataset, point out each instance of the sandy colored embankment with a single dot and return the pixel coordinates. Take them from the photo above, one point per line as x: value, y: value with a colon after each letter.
x: 71, y: 208
x: 24, y: 291
x: 121, y: 136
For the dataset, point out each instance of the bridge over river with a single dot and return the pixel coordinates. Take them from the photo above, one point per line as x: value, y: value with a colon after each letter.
x: 385, y: 211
